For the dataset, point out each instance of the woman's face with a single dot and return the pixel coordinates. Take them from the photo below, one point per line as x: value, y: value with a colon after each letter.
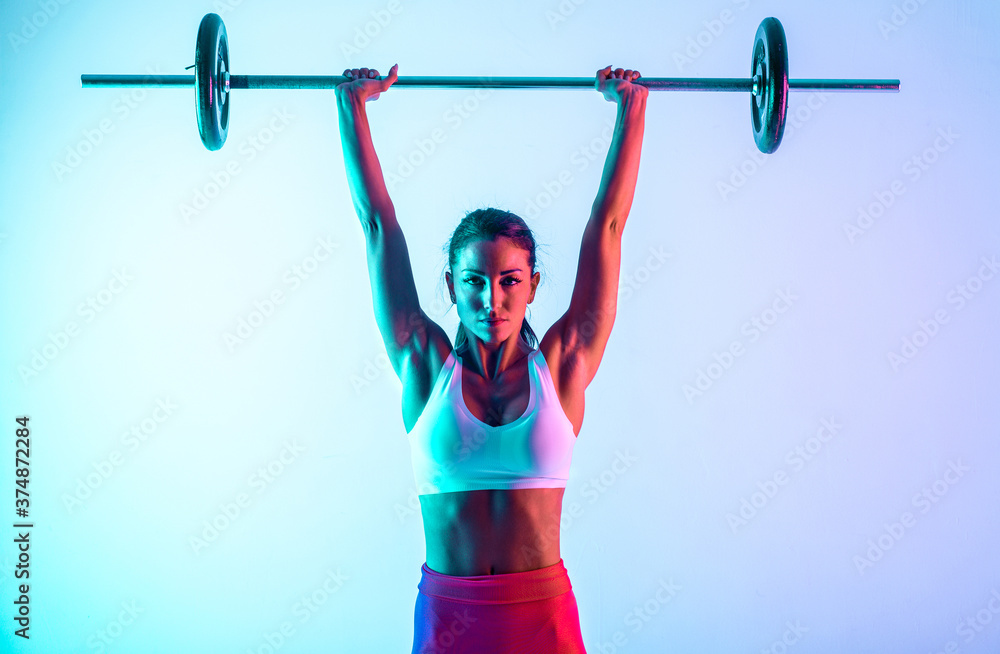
x: 491, y: 281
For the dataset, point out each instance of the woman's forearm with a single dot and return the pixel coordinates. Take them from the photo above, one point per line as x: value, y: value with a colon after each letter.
x: 364, y: 174
x: 614, y: 198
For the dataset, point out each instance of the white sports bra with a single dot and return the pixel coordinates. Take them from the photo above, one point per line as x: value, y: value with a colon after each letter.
x: 452, y: 450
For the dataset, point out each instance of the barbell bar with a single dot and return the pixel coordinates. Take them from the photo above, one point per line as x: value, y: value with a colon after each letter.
x: 722, y: 84
x: 768, y: 87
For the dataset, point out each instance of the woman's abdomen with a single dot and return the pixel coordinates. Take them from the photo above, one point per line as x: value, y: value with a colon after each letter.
x: 485, y: 532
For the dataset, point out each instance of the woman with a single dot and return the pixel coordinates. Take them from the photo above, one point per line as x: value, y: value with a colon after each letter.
x: 493, y: 421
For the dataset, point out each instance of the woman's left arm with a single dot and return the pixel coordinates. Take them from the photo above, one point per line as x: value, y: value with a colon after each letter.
x: 583, y: 331
x: 614, y: 198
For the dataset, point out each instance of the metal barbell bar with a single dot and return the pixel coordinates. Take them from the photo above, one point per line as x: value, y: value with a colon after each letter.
x: 722, y: 84
x: 768, y: 87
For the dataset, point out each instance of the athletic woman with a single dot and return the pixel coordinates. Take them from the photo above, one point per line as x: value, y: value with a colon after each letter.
x: 492, y: 421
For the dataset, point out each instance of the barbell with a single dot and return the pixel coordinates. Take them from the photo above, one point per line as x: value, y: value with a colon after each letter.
x: 768, y: 86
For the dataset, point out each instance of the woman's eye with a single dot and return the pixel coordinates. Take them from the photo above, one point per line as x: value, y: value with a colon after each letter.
x: 472, y: 280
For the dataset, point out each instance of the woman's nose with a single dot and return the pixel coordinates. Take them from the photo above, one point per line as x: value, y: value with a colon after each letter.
x: 491, y: 297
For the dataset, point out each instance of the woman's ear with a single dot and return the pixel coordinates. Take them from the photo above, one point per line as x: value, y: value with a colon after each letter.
x: 535, y: 278
x: 451, y: 286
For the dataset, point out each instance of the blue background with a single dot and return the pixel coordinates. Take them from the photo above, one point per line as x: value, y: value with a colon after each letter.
x: 137, y: 333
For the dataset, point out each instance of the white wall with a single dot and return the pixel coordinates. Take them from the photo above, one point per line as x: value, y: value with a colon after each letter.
x: 115, y: 514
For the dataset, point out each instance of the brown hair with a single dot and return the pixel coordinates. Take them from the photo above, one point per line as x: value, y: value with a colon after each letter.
x: 487, y: 225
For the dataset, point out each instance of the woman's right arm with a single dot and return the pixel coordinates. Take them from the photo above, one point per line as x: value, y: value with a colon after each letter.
x: 406, y: 330
x: 364, y: 174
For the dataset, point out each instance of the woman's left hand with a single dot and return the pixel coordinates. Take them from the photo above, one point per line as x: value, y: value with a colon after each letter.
x: 616, y: 85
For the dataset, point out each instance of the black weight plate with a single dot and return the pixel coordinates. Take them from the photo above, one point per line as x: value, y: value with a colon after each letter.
x: 769, y: 105
x: 211, y: 61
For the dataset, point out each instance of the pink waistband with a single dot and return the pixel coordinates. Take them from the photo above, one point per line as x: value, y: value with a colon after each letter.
x: 527, y: 586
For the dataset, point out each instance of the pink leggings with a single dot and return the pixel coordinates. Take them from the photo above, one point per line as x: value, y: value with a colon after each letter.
x: 515, y: 613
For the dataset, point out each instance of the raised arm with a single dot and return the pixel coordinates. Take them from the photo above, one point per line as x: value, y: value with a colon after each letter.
x: 614, y: 198
x: 403, y: 325
x: 364, y: 173
x: 586, y: 326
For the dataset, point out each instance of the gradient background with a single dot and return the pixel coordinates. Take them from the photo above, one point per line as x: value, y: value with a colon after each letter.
x: 94, y: 187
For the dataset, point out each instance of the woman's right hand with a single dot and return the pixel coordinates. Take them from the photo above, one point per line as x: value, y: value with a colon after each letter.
x: 362, y: 86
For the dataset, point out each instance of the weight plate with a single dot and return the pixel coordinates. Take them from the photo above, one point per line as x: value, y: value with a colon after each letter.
x: 769, y: 69
x: 211, y: 62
